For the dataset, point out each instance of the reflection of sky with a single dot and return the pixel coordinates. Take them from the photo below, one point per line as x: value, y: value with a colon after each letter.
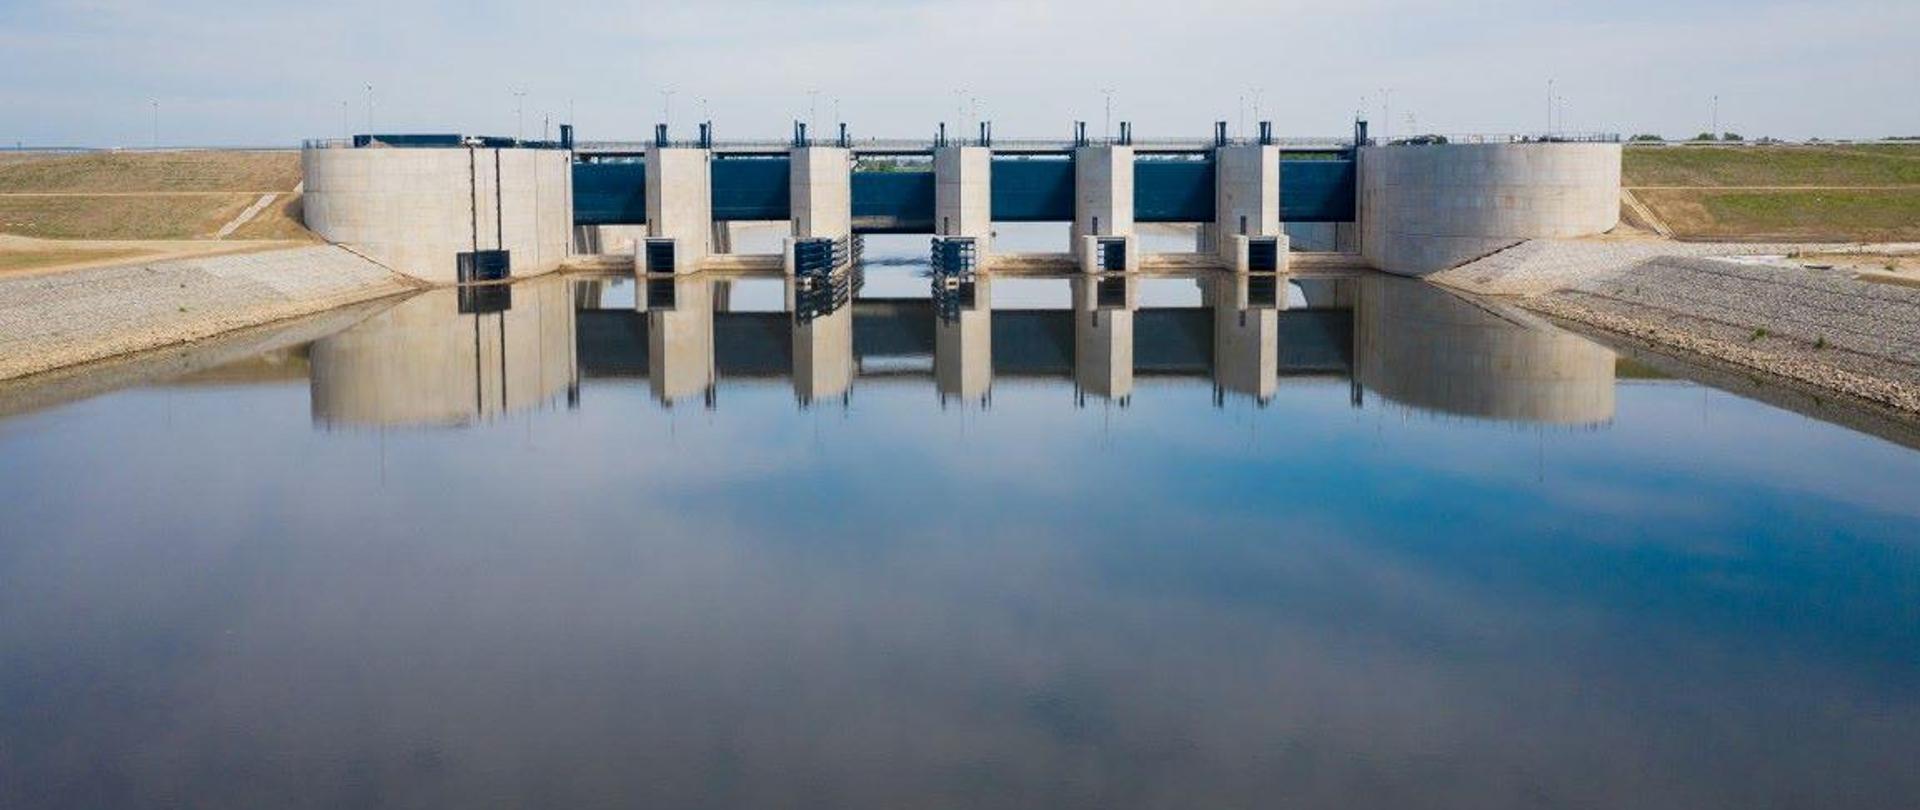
x: 1707, y: 603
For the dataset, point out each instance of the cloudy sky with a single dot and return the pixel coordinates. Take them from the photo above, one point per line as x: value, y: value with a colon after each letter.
x: 88, y: 72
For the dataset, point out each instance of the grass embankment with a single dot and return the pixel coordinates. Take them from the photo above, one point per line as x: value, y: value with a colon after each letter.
x: 137, y: 216
x: 105, y: 197
x: 31, y: 259
x: 1867, y: 192
x: 130, y: 172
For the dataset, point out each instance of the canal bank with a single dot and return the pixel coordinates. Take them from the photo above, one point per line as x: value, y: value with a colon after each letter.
x: 57, y: 320
x: 1752, y: 307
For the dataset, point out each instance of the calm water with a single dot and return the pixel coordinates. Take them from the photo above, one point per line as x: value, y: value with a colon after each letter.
x: 1342, y: 542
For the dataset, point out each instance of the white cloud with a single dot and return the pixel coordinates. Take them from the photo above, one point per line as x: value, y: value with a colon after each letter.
x: 84, y: 71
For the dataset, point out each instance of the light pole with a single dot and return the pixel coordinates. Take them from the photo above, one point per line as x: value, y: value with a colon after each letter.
x: 1549, y: 108
x: 519, y: 114
x: 1106, y: 128
x: 346, y: 120
x: 1386, y: 113
x: 1713, y: 120
x: 704, y: 116
x: 369, y: 109
x: 666, y: 107
x: 813, y: 112
x: 156, y: 122
x: 1257, y: 93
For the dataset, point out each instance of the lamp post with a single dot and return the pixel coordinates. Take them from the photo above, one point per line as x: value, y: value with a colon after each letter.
x: 519, y: 114
x: 1386, y: 113
x: 1106, y: 127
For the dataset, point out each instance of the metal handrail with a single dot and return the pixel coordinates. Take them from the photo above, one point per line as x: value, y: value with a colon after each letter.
x: 1428, y: 138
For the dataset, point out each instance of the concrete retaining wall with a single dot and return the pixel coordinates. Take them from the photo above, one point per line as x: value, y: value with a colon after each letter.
x: 413, y: 210
x: 1428, y: 208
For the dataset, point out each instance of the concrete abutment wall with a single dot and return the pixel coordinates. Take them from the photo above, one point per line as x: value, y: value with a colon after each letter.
x: 1425, y: 208
x: 415, y: 210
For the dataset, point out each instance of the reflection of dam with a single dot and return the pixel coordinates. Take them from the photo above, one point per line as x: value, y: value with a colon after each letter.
x: 1423, y: 347
x: 440, y: 358
x: 449, y: 357
x: 1100, y: 343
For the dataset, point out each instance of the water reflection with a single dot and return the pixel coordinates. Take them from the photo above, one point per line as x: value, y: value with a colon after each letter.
x: 1447, y: 354
x: 453, y: 358
x: 449, y: 357
x: 206, y: 602
x: 963, y: 340
x: 1103, y: 311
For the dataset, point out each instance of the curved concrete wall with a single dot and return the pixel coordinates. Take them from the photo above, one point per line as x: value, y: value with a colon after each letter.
x: 1424, y: 347
x: 425, y: 363
x: 1428, y: 208
x: 413, y: 210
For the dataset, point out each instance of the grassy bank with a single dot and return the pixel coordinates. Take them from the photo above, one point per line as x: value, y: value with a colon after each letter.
x: 145, y: 216
x: 1841, y: 192
x: 109, y: 196
x: 130, y: 172
x: 1842, y: 215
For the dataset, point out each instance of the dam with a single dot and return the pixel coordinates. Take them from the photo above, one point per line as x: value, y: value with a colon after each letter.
x: 450, y: 208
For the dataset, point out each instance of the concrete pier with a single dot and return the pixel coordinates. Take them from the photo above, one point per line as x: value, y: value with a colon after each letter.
x: 963, y: 196
x: 1103, y: 201
x: 679, y: 206
x: 821, y: 192
x: 1246, y: 182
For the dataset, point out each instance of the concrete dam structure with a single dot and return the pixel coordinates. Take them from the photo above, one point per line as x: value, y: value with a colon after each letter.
x: 1425, y: 208
x: 447, y: 208
x: 416, y: 210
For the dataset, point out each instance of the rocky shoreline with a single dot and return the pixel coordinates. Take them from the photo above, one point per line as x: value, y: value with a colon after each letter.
x: 58, y: 320
x: 1746, y: 306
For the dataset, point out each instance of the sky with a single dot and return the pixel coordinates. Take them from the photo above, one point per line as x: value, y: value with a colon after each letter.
x: 208, y: 72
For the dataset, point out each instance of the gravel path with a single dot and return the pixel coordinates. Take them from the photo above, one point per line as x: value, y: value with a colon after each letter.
x: 55, y: 320
x: 1741, y: 304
